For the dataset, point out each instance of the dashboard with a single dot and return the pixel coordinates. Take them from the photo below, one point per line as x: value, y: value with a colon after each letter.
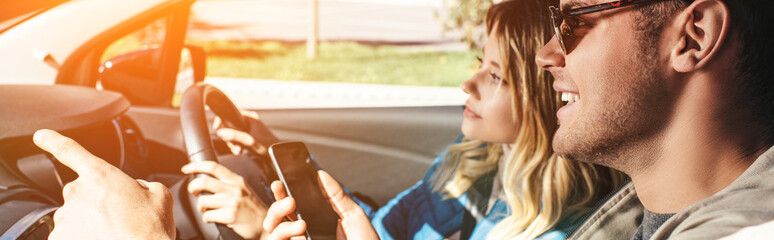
x: 147, y: 143
x: 31, y: 180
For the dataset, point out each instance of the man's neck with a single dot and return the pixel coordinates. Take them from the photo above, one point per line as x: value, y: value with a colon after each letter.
x: 685, y: 175
x: 703, y: 150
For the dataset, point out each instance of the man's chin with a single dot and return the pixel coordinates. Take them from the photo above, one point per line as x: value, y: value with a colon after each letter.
x: 576, y: 151
x: 560, y: 140
x: 567, y: 149
x: 560, y: 147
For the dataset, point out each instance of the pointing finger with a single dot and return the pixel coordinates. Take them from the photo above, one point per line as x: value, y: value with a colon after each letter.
x: 69, y: 152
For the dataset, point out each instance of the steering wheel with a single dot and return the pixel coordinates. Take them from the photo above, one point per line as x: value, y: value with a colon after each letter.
x: 199, y: 147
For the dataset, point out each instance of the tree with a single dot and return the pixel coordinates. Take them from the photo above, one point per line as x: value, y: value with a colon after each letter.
x: 467, y: 16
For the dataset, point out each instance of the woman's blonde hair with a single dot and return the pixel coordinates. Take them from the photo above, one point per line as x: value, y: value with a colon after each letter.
x: 540, y: 187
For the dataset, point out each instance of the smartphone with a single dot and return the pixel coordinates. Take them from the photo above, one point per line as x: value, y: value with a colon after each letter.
x: 297, y: 171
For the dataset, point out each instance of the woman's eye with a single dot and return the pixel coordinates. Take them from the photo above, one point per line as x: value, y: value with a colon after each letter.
x: 495, y: 78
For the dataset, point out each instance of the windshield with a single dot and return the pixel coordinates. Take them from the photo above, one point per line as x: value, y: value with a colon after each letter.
x: 16, y: 11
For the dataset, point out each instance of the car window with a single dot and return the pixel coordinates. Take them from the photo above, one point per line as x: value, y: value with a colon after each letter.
x: 133, y: 65
x: 370, y: 53
x: 150, y: 36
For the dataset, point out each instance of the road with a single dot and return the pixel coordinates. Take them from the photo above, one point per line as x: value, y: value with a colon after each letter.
x: 273, y: 94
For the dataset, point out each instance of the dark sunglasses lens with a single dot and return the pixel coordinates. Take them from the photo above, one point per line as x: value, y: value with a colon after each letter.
x: 557, y: 20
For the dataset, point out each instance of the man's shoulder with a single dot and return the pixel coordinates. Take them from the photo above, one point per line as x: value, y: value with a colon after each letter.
x: 618, y: 216
x: 720, y: 215
x: 746, y: 202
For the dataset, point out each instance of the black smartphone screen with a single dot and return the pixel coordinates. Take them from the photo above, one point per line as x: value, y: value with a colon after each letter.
x: 298, y: 173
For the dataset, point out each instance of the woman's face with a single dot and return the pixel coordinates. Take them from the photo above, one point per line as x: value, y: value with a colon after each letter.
x: 488, y: 112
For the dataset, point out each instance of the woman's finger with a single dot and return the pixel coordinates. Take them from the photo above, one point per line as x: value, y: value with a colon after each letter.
x: 288, y: 230
x: 340, y: 234
x: 339, y: 199
x: 354, y: 222
x: 277, y: 213
x: 223, y: 215
x: 250, y: 114
x: 279, y: 190
x: 210, y: 202
x: 216, y: 122
x: 206, y: 184
x: 214, y: 169
x: 233, y: 135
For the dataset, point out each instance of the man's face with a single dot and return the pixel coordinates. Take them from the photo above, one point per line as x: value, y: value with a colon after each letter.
x: 616, y: 81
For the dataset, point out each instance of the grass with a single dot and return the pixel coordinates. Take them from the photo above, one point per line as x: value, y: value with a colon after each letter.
x: 338, y: 62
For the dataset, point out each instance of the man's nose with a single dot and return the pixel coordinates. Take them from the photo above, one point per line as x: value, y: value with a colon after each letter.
x: 550, y: 55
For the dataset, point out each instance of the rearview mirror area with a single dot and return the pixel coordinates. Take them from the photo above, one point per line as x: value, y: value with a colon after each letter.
x: 133, y: 74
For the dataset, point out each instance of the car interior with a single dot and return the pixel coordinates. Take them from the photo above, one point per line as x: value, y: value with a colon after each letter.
x: 127, y: 110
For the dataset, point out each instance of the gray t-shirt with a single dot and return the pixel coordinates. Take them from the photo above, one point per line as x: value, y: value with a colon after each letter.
x: 650, y: 223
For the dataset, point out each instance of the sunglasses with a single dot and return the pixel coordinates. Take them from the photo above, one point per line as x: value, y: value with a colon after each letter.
x: 565, y: 21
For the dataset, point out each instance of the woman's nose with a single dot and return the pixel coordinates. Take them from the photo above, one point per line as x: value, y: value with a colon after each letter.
x: 469, y: 86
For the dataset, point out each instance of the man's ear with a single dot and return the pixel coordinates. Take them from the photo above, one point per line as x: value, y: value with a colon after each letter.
x: 702, y: 28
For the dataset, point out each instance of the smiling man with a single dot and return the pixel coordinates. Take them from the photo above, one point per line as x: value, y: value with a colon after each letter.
x: 680, y: 96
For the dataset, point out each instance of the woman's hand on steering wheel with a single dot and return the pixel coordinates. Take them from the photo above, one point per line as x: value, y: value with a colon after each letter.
x: 232, y: 202
x: 258, y: 139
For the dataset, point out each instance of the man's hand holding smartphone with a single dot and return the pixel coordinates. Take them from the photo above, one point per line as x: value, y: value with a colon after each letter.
x: 354, y: 224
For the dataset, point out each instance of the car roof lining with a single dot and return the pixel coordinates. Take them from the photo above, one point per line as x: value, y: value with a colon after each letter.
x: 14, y: 12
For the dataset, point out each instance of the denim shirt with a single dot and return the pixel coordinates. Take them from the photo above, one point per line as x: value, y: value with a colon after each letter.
x: 420, y: 213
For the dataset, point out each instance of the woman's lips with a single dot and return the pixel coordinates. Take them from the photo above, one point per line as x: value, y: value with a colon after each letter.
x: 470, y: 114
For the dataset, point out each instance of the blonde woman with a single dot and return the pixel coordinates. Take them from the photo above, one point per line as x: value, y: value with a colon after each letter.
x: 502, y: 181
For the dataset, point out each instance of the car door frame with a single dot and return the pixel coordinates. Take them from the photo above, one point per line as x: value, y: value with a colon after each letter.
x: 82, y: 67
